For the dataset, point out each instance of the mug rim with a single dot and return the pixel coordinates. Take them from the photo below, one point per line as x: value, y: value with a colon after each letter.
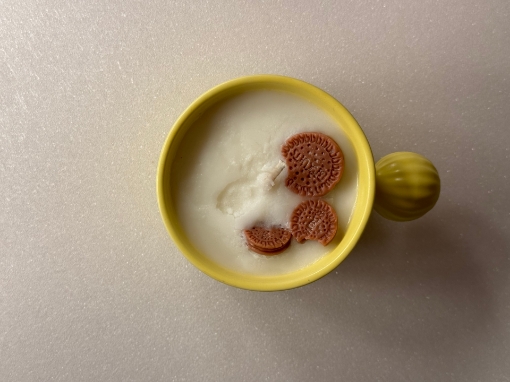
x: 360, y: 214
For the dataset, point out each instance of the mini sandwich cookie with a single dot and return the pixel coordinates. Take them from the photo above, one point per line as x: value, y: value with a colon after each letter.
x: 268, y: 241
x: 314, y: 220
x: 315, y: 163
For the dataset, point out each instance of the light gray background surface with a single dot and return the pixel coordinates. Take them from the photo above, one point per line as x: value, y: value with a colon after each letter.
x: 93, y: 289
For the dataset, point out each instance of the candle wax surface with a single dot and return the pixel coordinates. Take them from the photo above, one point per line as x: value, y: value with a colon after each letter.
x: 220, y: 179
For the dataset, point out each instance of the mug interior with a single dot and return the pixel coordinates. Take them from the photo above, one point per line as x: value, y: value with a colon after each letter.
x: 362, y: 207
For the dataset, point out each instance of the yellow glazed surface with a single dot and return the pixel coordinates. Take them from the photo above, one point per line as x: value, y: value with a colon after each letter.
x: 407, y: 186
x: 362, y: 209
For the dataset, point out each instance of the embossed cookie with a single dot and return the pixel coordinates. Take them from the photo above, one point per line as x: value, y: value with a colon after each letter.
x: 268, y: 241
x: 315, y: 163
x: 314, y: 220
x: 267, y: 252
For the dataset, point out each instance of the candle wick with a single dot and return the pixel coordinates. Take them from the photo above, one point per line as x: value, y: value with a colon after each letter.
x: 267, y: 178
x: 277, y: 170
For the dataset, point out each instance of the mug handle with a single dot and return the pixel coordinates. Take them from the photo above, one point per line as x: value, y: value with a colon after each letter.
x: 407, y: 186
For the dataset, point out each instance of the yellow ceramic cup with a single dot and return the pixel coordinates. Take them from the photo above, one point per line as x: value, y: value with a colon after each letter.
x: 362, y: 208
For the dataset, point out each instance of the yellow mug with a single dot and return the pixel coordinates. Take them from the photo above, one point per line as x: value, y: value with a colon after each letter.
x: 403, y: 185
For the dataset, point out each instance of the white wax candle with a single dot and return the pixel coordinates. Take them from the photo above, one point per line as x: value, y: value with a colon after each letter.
x: 221, y: 179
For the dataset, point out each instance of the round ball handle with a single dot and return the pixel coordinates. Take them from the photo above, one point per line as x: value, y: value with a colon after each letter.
x: 407, y: 186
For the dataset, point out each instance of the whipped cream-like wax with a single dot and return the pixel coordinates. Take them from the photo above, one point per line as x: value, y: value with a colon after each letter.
x: 229, y: 176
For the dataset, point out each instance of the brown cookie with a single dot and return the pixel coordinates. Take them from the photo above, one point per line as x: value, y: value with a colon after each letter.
x: 268, y: 241
x: 269, y: 252
x: 315, y: 163
x: 314, y: 220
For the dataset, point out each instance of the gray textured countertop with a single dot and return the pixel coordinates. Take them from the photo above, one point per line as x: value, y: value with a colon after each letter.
x: 93, y: 289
